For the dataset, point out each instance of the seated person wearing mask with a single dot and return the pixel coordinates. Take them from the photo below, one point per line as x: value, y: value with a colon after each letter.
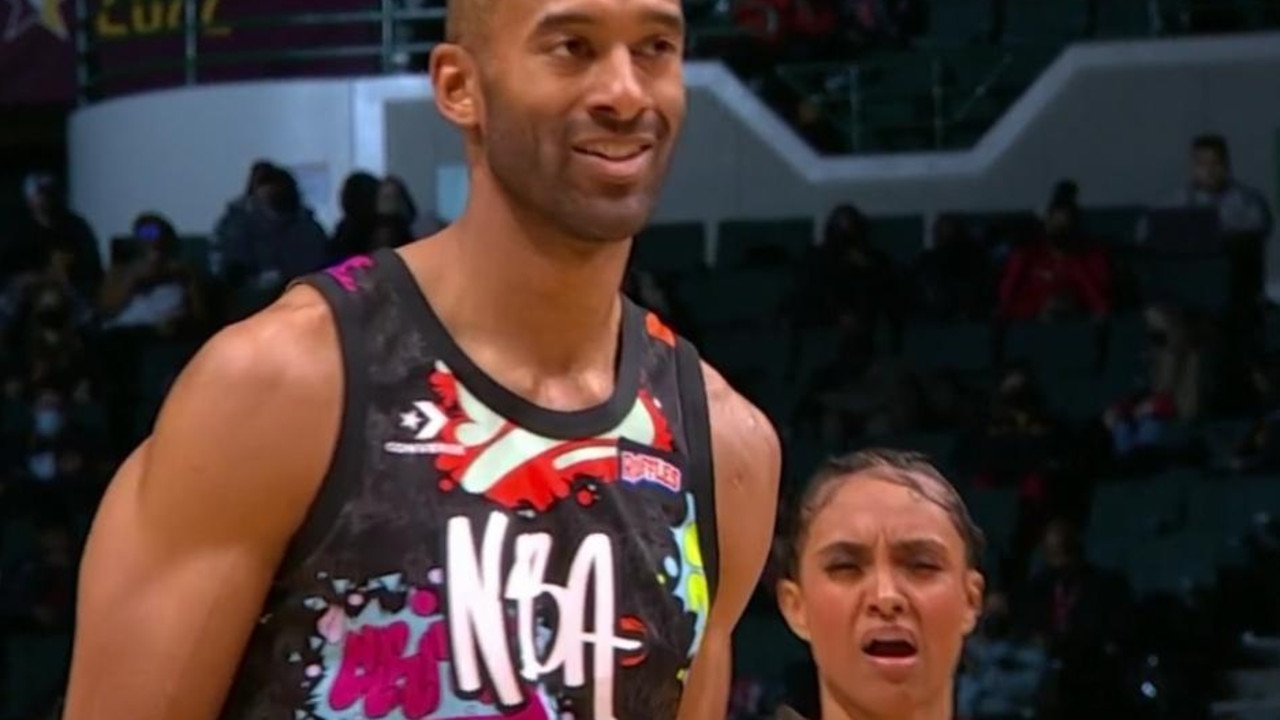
x: 882, y: 586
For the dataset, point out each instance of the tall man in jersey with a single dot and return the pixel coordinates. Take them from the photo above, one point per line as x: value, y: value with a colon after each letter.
x: 465, y: 479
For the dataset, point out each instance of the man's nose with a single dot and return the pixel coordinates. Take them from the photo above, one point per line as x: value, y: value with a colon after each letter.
x: 620, y: 92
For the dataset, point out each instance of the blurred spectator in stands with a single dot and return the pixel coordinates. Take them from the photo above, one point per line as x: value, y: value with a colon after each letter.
x: 1140, y: 425
x: 1242, y: 210
x: 851, y: 284
x: 359, y: 200
x: 154, y: 314
x: 395, y: 203
x: 51, y: 237
x: 794, y: 30
x: 238, y: 211
x: 1245, y: 224
x: 1062, y: 273
x: 1259, y: 450
x: 51, y: 337
x: 815, y: 122
x: 952, y: 278
x: 156, y: 290
x: 389, y: 232
x: 279, y: 238
x: 1244, y: 218
x: 1082, y: 612
x: 1020, y: 443
x: 1003, y: 670
x: 885, y: 400
x: 37, y: 604
x: 887, y: 21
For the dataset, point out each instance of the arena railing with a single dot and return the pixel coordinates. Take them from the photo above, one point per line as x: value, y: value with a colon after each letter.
x: 950, y: 87
x: 187, y: 43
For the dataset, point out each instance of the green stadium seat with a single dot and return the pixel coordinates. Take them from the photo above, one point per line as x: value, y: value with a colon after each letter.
x: 1134, y: 509
x: 816, y: 348
x: 746, y: 353
x: 901, y: 237
x: 957, y: 23
x: 1172, y: 563
x: 1124, y: 19
x: 1197, y: 281
x: 764, y: 647
x: 35, y: 666
x: 1114, y: 224
x: 963, y: 346
x: 734, y: 297
x: 1066, y: 346
x: 670, y: 249
x: 1042, y: 21
x: 995, y: 510
x: 742, y: 240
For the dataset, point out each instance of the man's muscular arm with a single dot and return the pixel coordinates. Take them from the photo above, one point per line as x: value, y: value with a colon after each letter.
x: 748, y: 463
x: 191, y: 531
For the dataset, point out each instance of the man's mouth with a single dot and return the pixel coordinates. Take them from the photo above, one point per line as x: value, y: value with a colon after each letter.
x: 613, y: 151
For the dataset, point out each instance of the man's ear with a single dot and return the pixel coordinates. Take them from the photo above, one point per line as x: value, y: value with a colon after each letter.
x: 791, y: 605
x: 975, y: 588
x: 455, y: 79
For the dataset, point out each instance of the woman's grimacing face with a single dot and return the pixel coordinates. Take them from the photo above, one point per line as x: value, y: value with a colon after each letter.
x: 884, y: 596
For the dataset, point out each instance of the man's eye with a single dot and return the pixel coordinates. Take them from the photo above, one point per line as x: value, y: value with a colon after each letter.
x: 658, y: 47
x: 573, y: 47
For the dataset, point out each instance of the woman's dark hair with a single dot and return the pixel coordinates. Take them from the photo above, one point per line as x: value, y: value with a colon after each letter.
x: 287, y: 197
x: 910, y: 469
x: 156, y: 228
x: 359, y: 195
x: 257, y: 172
x: 410, y: 207
x: 845, y: 223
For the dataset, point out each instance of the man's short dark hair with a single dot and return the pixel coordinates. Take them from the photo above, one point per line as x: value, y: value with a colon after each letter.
x: 1214, y: 142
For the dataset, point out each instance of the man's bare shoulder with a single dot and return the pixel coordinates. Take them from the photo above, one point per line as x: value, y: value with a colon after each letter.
x: 263, y: 396
x: 293, y: 341
x: 747, y: 452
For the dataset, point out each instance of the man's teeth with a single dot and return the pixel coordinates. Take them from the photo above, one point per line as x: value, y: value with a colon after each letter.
x: 614, y: 152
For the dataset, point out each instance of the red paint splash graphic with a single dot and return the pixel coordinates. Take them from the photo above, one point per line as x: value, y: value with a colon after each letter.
x: 537, y: 482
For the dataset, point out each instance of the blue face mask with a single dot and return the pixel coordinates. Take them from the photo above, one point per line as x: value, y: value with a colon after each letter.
x: 43, y: 466
x: 48, y: 422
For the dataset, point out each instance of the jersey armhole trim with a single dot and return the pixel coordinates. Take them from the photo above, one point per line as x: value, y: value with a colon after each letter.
x: 348, y: 452
x: 696, y: 419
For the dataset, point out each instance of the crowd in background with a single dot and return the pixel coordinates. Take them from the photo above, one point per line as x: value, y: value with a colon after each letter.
x: 93, y: 339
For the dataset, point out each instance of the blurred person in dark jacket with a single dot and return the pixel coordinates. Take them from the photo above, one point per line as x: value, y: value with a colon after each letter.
x: 850, y: 283
x: 1081, y: 611
x: 51, y: 237
x: 277, y: 239
x: 953, y: 278
x: 1003, y: 669
x: 359, y: 200
x: 37, y: 605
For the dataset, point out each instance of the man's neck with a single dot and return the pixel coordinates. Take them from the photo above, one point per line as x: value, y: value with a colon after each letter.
x: 513, y: 293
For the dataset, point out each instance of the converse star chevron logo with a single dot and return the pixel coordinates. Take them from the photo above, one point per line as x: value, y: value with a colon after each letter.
x: 425, y: 420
